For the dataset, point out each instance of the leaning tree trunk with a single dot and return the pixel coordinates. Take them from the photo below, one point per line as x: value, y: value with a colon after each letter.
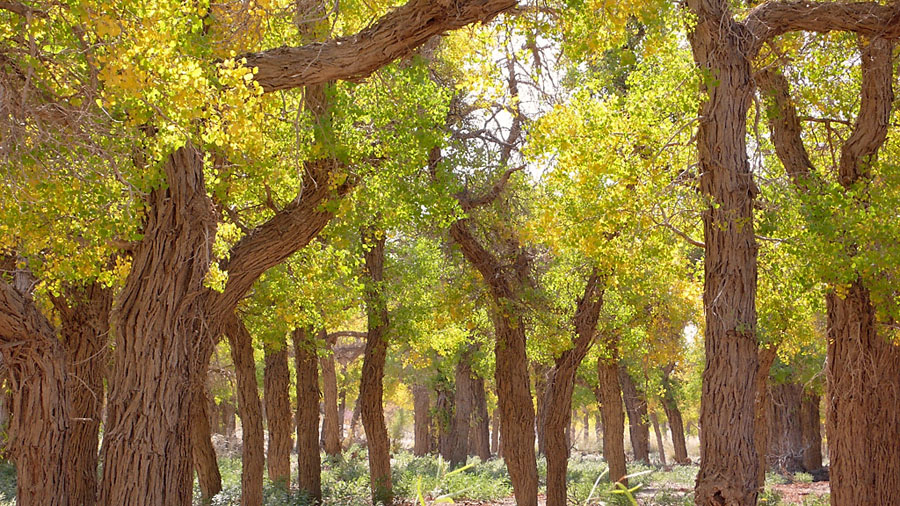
x: 35, y: 363
x: 480, y: 437
x: 636, y: 407
x: 276, y: 394
x: 309, y: 462
x: 612, y: 414
x: 371, y: 388
x: 659, y: 439
x: 207, y: 466
x: 464, y: 400
x: 728, y: 459
x: 762, y: 409
x: 84, y: 316
x: 561, y: 385
x: 422, y: 415
x: 810, y: 424
x: 147, y: 444
x: 673, y: 414
x: 331, y: 429
x: 250, y: 411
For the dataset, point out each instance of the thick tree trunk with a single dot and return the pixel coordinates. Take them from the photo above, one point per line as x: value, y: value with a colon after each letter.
x: 785, y: 448
x: 659, y: 439
x: 422, y: 415
x: 276, y: 394
x: 810, y: 424
x: 480, y: 437
x: 147, y: 441
x: 612, y: 414
x: 35, y: 363
x: 250, y: 410
x: 331, y: 431
x: 636, y: 407
x: 728, y: 459
x: 205, y: 462
x: 371, y: 387
x: 762, y: 420
x: 309, y: 462
x: 464, y: 400
x: 560, y: 386
x: 443, y: 422
x: 673, y: 414
x: 84, y: 316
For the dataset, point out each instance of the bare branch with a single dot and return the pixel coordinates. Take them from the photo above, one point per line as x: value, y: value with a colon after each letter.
x: 468, y: 203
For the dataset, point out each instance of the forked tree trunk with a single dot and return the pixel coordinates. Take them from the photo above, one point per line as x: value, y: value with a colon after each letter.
x: 84, y: 316
x: 673, y: 415
x: 205, y: 462
x: 659, y: 439
x: 785, y: 449
x: 762, y: 409
x: 422, y: 415
x: 147, y: 444
x: 371, y: 388
x: 250, y: 410
x: 636, y: 407
x: 464, y: 400
x: 331, y: 431
x: 35, y: 365
x: 276, y: 394
x: 810, y: 424
x: 728, y: 459
x: 309, y: 462
x: 611, y: 412
x: 561, y: 385
x: 479, y: 437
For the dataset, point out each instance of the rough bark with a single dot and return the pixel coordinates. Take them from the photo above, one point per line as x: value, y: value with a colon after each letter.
x: 371, y: 388
x: 810, y: 428
x: 147, y: 442
x: 659, y: 439
x: 561, y: 385
x: 205, y: 463
x: 511, y: 371
x: 612, y: 414
x: 479, y: 437
x: 84, y: 330
x: 540, y: 373
x: 728, y: 459
x: 673, y: 415
x: 35, y: 363
x: 495, y: 432
x: 309, y: 462
x: 785, y: 448
x: 331, y: 431
x: 443, y: 422
x: 279, y: 420
x: 464, y: 401
x: 636, y: 407
x: 250, y: 411
x: 762, y: 408
x: 422, y: 415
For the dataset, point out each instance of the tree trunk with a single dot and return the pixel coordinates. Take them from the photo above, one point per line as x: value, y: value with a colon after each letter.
x: 276, y: 393
x: 84, y: 316
x: 250, y: 410
x: 464, y: 400
x: 342, y: 410
x: 728, y: 459
x: 785, y: 448
x: 495, y: 432
x: 659, y: 439
x: 540, y: 389
x: 354, y: 421
x: 479, y: 437
x: 205, y: 462
x: 422, y: 415
x: 331, y: 436
x: 762, y: 409
x: 147, y: 441
x: 35, y: 363
x: 612, y: 414
x: 371, y: 387
x: 443, y: 421
x: 309, y: 462
x: 810, y: 424
x: 228, y: 422
x: 673, y: 414
x: 636, y: 407
x: 560, y: 386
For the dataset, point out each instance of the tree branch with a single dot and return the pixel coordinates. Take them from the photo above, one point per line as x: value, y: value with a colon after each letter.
x: 785, y: 126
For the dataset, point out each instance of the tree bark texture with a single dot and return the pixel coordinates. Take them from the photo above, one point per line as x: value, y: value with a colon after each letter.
x: 371, y: 388
x: 636, y: 407
x: 147, y: 442
x: 279, y: 419
x: 35, y: 363
x: 443, y: 422
x: 762, y: 407
x: 612, y: 414
x: 479, y: 436
x: 673, y: 415
x: 464, y: 401
x: 495, y: 432
x: 560, y: 386
x: 309, y: 462
x: 331, y: 429
x: 659, y: 439
x: 250, y: 410
x: 785, y: 448
x: 84, y: 316
x: 810, y: 428
x: 205, y: 462
x: 422, y: 420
